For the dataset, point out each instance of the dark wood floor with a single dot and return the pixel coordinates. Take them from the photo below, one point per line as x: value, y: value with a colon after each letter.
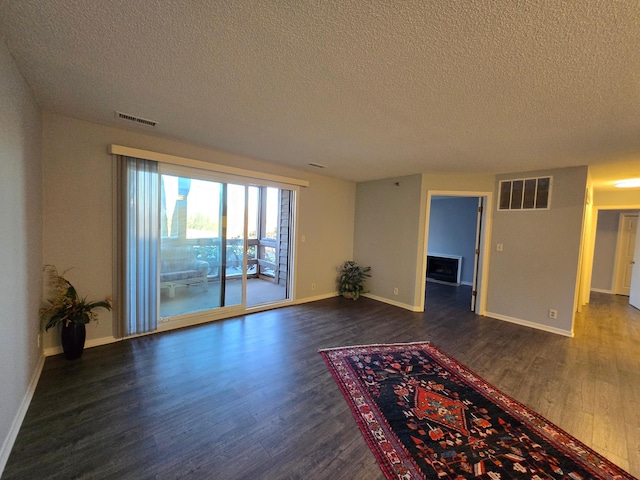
x: 250, y: 398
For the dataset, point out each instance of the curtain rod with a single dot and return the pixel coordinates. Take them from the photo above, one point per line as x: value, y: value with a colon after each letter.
x: 215, y: 167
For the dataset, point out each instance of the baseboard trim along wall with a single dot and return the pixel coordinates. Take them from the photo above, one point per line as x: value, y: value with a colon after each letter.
x: 96, y: 342
x: 526, y: 323
x: 316, y: 298
x: 7, y: 445
x: 602, y: 290
x: 406, y: 306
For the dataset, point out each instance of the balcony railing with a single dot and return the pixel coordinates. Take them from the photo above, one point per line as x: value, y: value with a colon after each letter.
x: 261, y: 255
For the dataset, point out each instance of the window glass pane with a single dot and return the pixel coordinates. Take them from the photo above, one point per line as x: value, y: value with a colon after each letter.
x: 516, y: 194
x: 235, y: 228
x: 252, y: 252
x: 505, y: 195
x: 269, y: 256
x: 190, y: 260
x: 542, y: 198
x: 253, y: 209
x: 272, y: 212
x: 169, y: 195
x: 203, y: 209
x: 529, y: 193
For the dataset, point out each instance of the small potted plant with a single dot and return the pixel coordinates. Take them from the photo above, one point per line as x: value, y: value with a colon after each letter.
x: 64, y: 307
x: 351, y: 279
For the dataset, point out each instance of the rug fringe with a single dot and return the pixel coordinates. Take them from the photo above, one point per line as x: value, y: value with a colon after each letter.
x: 329, y: 349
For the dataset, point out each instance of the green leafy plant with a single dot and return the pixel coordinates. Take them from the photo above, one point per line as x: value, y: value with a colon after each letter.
x: 64, y: 305
x: 351, y: 279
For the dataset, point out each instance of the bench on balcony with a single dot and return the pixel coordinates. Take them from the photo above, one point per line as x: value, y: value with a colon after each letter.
x: 180, y: 267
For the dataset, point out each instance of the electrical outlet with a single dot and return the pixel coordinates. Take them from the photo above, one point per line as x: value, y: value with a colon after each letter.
x: 313, y: 286
x: 553, y: 313
x: 499, y: 247
x: 395, y: 291
x: 39, y: 340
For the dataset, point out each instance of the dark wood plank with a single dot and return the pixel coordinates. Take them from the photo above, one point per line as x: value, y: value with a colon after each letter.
x: 250, y: 397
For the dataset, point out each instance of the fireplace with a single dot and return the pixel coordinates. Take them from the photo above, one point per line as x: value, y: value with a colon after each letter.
x: 443, y: 269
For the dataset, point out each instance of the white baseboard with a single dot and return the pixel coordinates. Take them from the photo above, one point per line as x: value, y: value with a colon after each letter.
x: 435, y: 280
x: 316, y: 298
x: 7, y: 445
x: 453, y: 284
x: 602, y: 290
x: 527, y: 323
x: 368, y: 295
x: 406, y: 306
x: 94, y: 342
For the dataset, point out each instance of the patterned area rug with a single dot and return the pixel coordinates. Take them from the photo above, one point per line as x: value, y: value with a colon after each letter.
x: 424, y: 415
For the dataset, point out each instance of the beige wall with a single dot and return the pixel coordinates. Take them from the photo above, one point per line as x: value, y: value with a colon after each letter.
x: 617, y: 198
x: 20, y: 247
x: 326, y: 220
x: 78, y: 210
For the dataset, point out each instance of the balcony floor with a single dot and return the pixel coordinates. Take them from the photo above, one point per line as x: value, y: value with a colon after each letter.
x: 194, y: 298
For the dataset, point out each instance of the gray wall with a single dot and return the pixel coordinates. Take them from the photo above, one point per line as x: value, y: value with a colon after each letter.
x: 452, y: 230
x: 538, y: 268
x: 20, y: 245
x: 390, y: 228
x: 387, y: 232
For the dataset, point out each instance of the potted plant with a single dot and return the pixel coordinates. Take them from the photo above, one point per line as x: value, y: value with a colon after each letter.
x: 66, y: 308
x: 351, y: 279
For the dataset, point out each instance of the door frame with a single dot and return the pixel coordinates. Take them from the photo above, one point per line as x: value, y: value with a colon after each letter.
x: 634, y: 293
x: 592, y: 237
x: 617, y: 266
x: 476, y: 258
x: 485, y: 244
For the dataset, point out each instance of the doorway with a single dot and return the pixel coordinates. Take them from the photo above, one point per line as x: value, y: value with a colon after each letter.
x: 610, y: 268
x: 457, y: 232
x: 628, y: 225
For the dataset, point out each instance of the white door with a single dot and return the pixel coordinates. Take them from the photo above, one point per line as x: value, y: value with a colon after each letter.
x: 626, y: 247
x: 634, y: 291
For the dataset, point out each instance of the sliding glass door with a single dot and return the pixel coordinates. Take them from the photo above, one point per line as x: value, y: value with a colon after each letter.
x: 233, y: 256
x: 224, y: 244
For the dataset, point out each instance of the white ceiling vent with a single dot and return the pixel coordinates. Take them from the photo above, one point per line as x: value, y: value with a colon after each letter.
x: 133, y: 118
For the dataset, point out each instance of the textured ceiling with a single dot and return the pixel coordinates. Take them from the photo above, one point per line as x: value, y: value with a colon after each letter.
x: 369, y: 89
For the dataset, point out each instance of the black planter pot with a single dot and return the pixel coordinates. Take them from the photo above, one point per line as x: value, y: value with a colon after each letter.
x: 72, y: 337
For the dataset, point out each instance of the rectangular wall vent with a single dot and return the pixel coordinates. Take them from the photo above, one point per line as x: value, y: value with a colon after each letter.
x: 525, y: 194
x: 133, y: 118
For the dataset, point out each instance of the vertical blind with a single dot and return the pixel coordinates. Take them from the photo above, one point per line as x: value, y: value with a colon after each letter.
x: 138, y: 239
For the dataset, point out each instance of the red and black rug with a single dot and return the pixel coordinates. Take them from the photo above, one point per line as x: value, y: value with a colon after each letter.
x: 425, y: 415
